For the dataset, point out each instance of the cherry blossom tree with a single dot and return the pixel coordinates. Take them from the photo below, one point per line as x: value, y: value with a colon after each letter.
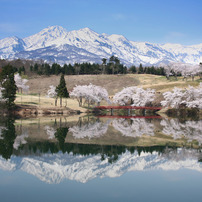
x: 193, y: 97
x: 90, y: 93
x: 173, y: 98
x: 124, y: 97
x: 190, y: 97
x: 167, y: 69
x: 21, y: 83
x: 51, y: 93
x: 189, y: 70
x: 143, y: 97
x: 134, y: 96
x: 185, y: 69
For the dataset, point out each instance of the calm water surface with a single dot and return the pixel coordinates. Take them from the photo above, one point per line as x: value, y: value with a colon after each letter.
x: 100, y: 159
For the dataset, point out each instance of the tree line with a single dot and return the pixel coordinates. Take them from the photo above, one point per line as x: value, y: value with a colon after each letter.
x: 108, y: 66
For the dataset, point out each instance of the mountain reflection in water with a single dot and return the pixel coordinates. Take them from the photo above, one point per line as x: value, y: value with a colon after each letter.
x: 96, y: 147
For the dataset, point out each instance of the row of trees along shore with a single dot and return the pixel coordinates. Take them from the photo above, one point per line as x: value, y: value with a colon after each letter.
x: 190, y: 97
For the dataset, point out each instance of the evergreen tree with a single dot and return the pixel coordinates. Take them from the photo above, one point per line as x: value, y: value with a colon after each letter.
x: 133, y: 69
x: 9, y: 87
x: 36, y: 67
x: 31, y: 68
x: 152, y: 70
x: 104, y: 63
x: 57, y: 69
x: 112, y: 63
x: 72, y: 69
x: 66, y: 69
x: 147, y: 70
x: 140, y: 70
x: 47, y: 69
x: 61, y: 89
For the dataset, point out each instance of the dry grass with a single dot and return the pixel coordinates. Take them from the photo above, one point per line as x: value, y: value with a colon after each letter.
x: 113, y: 84
x: 161, y: 84
x: 44, y: 102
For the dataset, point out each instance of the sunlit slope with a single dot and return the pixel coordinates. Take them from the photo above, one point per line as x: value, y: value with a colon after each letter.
x: 113, y: 83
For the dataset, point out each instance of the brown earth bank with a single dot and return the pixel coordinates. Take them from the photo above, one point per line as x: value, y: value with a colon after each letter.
x: 34, y: 111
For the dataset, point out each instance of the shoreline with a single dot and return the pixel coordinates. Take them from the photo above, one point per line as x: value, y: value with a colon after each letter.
x: 34, y: 111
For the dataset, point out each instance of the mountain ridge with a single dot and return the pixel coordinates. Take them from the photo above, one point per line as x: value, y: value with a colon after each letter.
x: 92, y: 47
x: 54, y: 168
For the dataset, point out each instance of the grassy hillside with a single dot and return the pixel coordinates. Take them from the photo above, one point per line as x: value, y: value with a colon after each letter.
x: 113, y: 83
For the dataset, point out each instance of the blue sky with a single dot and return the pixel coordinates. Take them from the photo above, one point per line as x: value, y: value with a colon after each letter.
x: 157, y: 21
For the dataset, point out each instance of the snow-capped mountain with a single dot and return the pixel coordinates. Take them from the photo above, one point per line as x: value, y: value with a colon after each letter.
x: 56, y: 44
x: 11, y: 45
x: 54, y: 168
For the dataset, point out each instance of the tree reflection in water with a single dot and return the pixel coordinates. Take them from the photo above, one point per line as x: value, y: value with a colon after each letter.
x: 53, y: 159
x: 20, y: 140
x: 134, y: 127
x: 94, y: 128
x: 191, y: 130
x: 50, y: 132
x: 7, y: 137
x: 60, y: 135
x: 90, y: 129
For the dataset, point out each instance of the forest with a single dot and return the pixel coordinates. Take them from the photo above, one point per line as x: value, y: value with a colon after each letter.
x: 108, y: 66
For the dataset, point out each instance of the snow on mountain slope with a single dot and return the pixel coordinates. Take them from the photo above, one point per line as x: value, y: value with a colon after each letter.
x: 148, y: 53
x: 60, y: 54
x: 49, y: 36
x: 187, y: 54
x: 9, y: 46
x: 53, y: 168
x: 90, y: 41
x: 96, y: 47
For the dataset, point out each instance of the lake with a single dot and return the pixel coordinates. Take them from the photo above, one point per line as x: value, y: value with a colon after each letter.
x: 100, y: 159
